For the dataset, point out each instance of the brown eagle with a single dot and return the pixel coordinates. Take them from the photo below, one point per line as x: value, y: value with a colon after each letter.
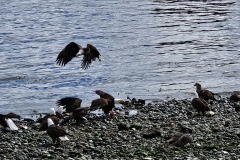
x: 6, y: 121
x: 204, y: 93
x: 56, y: 132
x: 70, y: 103
x: 200, y: 104
x: 90, y: 53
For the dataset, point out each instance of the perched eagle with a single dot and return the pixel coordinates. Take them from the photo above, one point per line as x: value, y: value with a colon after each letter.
x: 78, y: 115
x: 200, y: 104
x: 235, y: 96
x: 55, y: 117
x: 56, y: 132
x: 204, y: 93
x: 6, y: 121
x: 182, y: 138
x: 90, y: 53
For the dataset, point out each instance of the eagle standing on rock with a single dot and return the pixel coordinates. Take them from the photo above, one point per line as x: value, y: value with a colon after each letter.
x: 90, y: 53
x: 56, y: 132
x: 204, y: 93
x: 55, y: 117
x: 200, y: 105
x: 6, y: 121
x: 78, y: 115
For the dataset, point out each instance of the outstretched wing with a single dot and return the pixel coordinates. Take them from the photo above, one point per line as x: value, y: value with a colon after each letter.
x: 90, y: 55
x: 104, y: 95
x: 67, y: 53
x: 70, y: 103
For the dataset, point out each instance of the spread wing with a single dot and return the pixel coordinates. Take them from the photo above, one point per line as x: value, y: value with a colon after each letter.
x: 70, y: 103
x: 104, y: 95
x: 67, y: 53
x: 89, y: 56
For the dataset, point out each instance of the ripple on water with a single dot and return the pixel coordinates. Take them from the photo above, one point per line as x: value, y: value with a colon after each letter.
x: 150, y: 50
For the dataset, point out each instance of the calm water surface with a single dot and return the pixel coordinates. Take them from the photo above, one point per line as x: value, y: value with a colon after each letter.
x: 150, y: 49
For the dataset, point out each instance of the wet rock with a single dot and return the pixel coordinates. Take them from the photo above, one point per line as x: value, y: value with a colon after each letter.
x: 123, y: 126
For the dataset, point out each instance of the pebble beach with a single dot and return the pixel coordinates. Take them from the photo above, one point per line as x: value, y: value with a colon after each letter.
x: 142, y: 135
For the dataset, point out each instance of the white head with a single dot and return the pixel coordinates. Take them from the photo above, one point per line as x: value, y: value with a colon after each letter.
x: 60, y: 109
x: 52, y: 111
x: 80, y: 52
x: 50, y: 122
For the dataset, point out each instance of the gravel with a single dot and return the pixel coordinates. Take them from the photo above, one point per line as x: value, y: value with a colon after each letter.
x: 142, y: 135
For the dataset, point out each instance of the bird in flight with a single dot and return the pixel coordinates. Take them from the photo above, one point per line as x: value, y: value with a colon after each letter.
x: 90, y: 53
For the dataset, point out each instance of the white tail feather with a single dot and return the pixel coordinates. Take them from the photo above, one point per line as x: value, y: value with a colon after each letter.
x: 85, y: 118
x: 65, y: 138
x: 209, y: 113
x: 11, y: 124
x: 50, y: 122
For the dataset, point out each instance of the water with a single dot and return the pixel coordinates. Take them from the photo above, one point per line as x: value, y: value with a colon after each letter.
x: 150, y: 50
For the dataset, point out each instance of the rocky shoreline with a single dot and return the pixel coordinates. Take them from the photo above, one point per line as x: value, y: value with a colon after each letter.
x: 135, y: 136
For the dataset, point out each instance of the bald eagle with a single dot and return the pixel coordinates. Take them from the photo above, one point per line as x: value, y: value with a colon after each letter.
x: 90, y: 53
x: 70, y: 103
x: 56, y: 132
x: 6, y: 121
x: 204, y: 93
x: 106, y: 102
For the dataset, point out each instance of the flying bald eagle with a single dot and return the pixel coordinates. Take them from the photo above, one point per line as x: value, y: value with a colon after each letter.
x: 90, y: 53
x: 204, y: 93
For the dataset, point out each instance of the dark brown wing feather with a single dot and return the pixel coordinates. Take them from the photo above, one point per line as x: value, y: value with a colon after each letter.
x: 44, y: 125
x: 200, y: 105
x: 56, y: 131
x: 104, y: 95
x: 70, y: 103
x: 69, y: 52
x: 98, y: 103
x: 13, y: 115
x: 2, y: 121
x: 79, y: 113
x: 206, y: 94
x: 90, y: 55
x: 183, y: 140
